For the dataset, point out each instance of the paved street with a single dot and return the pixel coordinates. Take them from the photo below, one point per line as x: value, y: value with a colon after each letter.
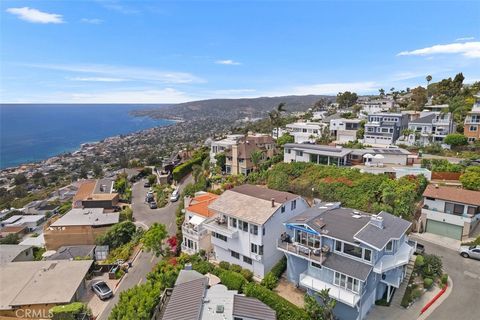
x: 465, y: 273
x: 145, y: 216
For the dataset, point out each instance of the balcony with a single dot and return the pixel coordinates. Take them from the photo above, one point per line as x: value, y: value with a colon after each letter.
x: 392, y: 261
x: 455, y: 219
x: 188, y: 250
x: 220, y: 226
x: 340, y: 294
x: 193, y: 232
x: 316, y: 255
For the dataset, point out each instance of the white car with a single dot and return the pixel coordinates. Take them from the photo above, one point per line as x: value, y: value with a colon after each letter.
x: 470, y: 252
x: 175, y: 195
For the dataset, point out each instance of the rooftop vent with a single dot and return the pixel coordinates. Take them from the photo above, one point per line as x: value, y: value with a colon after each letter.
x: 273, y: 202
x: 220, y: 308
x: 188, y: 266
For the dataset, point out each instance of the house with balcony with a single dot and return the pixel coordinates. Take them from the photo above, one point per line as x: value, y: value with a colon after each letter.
x: 247, y: 222
x: 195, y: 236
x: 239, y: 156
x: 472, y: 122
x: 450, y: 212
x: 344, y: 130
x: 383, y: 129
x: 96, y: 194
x: 359, y: 257
x: 432, y: 126
x: 305, y: 131
x: 223, y: 145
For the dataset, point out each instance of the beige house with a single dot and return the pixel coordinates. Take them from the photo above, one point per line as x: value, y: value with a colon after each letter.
x: 31, y: 288
x: 78, y: 227
x: 96, y: 194
x: 238, y: 157
x: 15, y: 253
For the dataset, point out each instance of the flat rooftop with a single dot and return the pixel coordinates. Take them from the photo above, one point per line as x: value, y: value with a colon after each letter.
x: 40, y: 282
x: 8, y: 252
x: 87, y: 217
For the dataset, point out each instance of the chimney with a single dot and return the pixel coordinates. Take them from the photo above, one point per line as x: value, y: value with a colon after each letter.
x: 377, y: 221
x: 273, y: 202
x: 436, y: 185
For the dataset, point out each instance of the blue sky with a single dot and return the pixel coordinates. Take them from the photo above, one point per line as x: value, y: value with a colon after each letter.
x: 164, y: 52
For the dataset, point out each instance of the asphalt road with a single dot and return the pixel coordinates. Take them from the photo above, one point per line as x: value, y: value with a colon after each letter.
x: 145, y: 217
x: 462, y: 303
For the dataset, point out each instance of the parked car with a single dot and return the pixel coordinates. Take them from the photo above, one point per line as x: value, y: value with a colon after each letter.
x: 102, y: 290
x: 153, y: 205
x: 149, y: 197
x: 419, y: 248
x: 175, y: 195
x: 146, y: 185
x: 470, y: 252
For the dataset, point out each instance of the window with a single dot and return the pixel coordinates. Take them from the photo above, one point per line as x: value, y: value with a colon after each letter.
x: 233, y: 222
x: 247, y: 260
x: 288, y: 151
x: 299, y: 153
x: 263, y: 230
x: 294, y: 204
x: 453, y: 208
x: 346, y: 282
x: 253, y: 248
x: 389, y: 247
x: 367, y: 254
x: 260, y: 250
x: 283, y: 209
x: 316, y: 265
x: 219, y: 236
x: 234, y: 254
x: 473, y: 128
x: 338, y: 245
x: 244, y: 226
x: 253, y: 229
x: 352, y: 250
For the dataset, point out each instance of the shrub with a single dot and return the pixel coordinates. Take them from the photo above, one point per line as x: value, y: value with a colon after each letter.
x: 407, y: 297
x: 280, y: 267
x: 224, y: 265
x: 203, y: 267
x: 428, y: 283
x: 235, y: 268
x: 417, y: 293
x: 232, y: 280
x: 432, y: 267
x: 121, y: 253
x: 269, y: 281
x: 69, y: 311
x: 185, y: 168
x: 456, y: 139
x: 444, y: 278
x: 117, y: 235
x: 247, y: 274
x: 419, y: 261
x: 471, y: 178
x: 285, y: 309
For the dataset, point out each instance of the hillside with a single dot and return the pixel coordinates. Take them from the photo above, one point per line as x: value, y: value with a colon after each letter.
x: 231, y: 109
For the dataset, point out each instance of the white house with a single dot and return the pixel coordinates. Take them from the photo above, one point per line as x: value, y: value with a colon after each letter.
x: 248, y: 222
x: 223, y: 145
x: 303, y: 131
x: 195, y: 236
x: 344, y: 130
x: 30, y: 221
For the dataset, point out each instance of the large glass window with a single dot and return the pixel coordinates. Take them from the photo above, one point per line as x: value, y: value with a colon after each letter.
x: 247, y: 260
x: 294, y: 205
x: 253, y: 248
x: 233, y: 222
x: 253, y: 229
x: 346, y: 282
x: 453, y: 208
x: 367, y: 255
x: 338, y: 246
x: 307, y: 239
x: 234, y: 254
x: 352, y: 250
x: 389, y: 246
x: 244, y: 226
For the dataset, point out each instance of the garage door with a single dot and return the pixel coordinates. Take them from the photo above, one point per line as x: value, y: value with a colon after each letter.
x: 444, y: 229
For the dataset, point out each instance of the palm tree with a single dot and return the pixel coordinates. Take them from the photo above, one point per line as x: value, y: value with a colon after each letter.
x: 428, y: 78
x: 276, y: 116
x: 256, y: 156
x: 382, y: 92
x: 281, y: 107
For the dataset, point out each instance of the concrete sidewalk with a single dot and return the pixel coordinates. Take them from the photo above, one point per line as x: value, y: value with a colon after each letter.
x: 438, y: 240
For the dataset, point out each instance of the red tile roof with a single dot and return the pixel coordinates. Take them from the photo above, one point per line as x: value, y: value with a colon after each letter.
x: 199, y: 204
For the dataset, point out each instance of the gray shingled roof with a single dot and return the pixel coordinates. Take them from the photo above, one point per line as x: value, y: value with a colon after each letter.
x: 71, y: 252
x: 319, y: 149
x: 394, y: 228
x: 341, y: 224
x: 347, y: 266
x: 252, y: 308
x: 424, y: 120
x: 186, y: 300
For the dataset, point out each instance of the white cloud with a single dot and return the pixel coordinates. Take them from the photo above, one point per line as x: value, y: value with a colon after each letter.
x: 127, y: 73
x: 464, y: 39
x: 91, y: 21
x: 35, y: 16
x: 228, y: 62
x: 97, y: 79
x: 467, y: 49
x: 332, y: 88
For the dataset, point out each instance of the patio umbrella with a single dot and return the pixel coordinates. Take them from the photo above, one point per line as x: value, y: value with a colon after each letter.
x: 367, y: 156
x: 378, y: 156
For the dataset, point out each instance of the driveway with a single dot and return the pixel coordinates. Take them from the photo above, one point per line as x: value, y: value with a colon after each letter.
x: 145, y: 217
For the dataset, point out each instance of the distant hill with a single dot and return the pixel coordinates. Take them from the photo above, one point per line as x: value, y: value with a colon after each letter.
x: 231, y: 109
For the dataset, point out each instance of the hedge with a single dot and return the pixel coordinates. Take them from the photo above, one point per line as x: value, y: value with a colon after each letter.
x: 285, y: 309
x: 232, y: 280
x: 185, y: 168
x: 279, y: 268
x: 68, y: 311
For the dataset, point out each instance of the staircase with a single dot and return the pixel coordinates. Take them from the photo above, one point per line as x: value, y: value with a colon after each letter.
x: 397, y: 297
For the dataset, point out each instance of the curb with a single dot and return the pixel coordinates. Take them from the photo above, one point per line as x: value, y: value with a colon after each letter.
x: 436, y: 301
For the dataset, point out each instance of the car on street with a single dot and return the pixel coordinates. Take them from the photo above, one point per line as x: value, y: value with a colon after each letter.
x: 153, y: 205
x: 470, y: 252
x: 146, y: 185
x: 175, y: 195
x: 102, y: 290
x: 149, y: 197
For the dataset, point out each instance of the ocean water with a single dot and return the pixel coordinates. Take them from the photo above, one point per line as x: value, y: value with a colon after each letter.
x: 33, y: 132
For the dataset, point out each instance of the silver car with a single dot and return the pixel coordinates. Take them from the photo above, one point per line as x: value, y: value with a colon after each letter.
x: 470, y: 252
x: 102, y: 290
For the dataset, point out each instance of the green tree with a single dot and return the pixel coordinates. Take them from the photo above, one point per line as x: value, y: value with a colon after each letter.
x: 117, y: 234
x: 471, y: 178
x: 285, y: 138
x: 152, y: 179
x: 419, y: 97
x: 10, y: 239
x: 20, y: 179
x: 361, y: 129
x: 256, y: 157
x: 322, y: 310
x: 346, y: 99
x: 456, y: 140
x: 428, y: 78
x: 220, y: 160
x: 381, y: 92
x: 153, y: 238
x: 197, y: 172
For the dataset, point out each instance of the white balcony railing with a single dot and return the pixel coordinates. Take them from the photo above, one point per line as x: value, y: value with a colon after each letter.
x: 340, y: 294
x: 313, y: 254
x: 391, y: 261
x: 458, y: 220
x: 222, y: 229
